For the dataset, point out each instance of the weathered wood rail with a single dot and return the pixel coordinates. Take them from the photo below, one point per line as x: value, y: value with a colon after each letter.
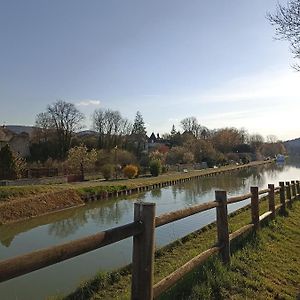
x: 142, y: 229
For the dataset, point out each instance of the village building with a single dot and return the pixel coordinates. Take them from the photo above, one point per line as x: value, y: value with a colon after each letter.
x: 155, y: 142
x: 18, y: 142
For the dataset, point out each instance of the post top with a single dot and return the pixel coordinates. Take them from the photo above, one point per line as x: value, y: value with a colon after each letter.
x: 145, y: 203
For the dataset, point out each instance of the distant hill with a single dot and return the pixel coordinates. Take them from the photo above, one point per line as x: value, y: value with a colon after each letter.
x: 86, y: 133
x: 20, y: 128
x: 293, y: 146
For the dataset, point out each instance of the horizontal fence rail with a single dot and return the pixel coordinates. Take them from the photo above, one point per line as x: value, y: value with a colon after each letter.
x: 23, y: 264
x: 183, y: 213
x: 142, y: 229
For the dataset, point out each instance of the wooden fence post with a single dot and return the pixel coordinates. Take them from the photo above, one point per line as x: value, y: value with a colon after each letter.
x: 143, y: 253
x: 222, y: 225
x: 282, y: 196
x: 293, y: 189
x: 288, y: 194
x: 271, y: 198
x: 255, y: 207
x: 298, y: 188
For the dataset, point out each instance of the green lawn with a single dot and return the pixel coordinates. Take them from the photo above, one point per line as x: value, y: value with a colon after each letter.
x: 264, y: 266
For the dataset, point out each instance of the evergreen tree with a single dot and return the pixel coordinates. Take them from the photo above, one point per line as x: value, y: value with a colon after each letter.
x: 139, y: 134
x: 139, y: 125
x: 7, y: 163
x: 173, y: 131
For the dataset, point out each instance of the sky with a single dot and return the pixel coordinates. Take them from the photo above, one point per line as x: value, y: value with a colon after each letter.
x: 216, y: 60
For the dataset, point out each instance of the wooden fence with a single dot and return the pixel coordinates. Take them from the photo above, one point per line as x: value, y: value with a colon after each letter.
x: 143, y: 231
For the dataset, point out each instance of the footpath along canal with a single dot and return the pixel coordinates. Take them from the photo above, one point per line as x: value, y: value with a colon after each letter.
x: 23, y: 237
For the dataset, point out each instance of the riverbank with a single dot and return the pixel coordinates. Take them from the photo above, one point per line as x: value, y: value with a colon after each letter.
x: 254, y: 272
x: 51, y: 198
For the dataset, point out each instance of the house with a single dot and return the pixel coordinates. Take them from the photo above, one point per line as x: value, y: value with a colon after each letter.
x: 18, y: 142
x: 155, y: 142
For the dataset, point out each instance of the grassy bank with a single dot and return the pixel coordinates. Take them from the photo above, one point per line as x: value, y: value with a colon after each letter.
x: 116, y: 285
x: 264, y: 266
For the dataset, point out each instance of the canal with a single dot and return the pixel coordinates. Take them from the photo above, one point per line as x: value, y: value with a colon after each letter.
x: 23, y: 237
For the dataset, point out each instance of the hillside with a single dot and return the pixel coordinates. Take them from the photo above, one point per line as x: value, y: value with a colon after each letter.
x: 293, y: 146
x: 20, y: 128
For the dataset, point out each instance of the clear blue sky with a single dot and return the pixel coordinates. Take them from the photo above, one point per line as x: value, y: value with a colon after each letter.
x: 215, y: 60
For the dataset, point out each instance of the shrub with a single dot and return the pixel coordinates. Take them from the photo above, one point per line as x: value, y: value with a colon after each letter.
x: 7, y: 164
x: 107, y: 171
x: 164, y: 169
x: 130, y: 171
x: 155, y: 167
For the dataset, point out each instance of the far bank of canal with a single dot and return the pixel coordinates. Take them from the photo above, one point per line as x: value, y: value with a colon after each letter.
x: 57, y: 228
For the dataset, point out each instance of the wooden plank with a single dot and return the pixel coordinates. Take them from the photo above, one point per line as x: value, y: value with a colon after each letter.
x: 288, y: 195
x: 277, y: 189
x: 271, y: 199
x: 293, y: 189
x: 183, y: 213
x: 263, y: 191
x: 282, y: 196
x: 222, y: 225
x: 255, y: 207
x: 240, y: 231
x: 298, y: 188
x: 238, y: 198
x: 143, y: 252
x: 171, y: 279
x: 265, y: 215
x: 27, y: 263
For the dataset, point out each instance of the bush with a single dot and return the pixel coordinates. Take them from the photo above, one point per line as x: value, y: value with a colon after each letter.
x: 155, y: 167
x: 107, y: 171
x: 130, y: 171
x: 164, y: 169
x: 7, y: 164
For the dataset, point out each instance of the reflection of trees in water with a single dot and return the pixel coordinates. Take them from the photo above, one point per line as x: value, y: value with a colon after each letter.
x: 7, y: 240
x: 107, y: 214
x: 293, y: 161
x: 234, y: 181
x: 66, y: 227
x: 156, y: 193
x: 110, y: 214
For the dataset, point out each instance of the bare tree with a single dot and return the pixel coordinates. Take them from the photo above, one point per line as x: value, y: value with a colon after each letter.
x: 286, y: 19
x: 111, y: 126
x: 98, y: 124
x: 256, y: 140
x: 191, y: 125
x: 66, y: 119
x: 43, y: 127
x: 272, y: 139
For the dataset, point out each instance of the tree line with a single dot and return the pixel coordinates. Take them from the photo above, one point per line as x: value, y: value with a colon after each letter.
x: 116, y: 142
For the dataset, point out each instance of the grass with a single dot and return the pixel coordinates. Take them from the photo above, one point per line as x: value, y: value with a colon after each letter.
x: 99, y: 189
x: 171, y: 257
x: 7, y: 192
x: 263, y: 266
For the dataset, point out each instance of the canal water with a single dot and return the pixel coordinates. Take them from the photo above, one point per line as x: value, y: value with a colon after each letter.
x: 75, y: 223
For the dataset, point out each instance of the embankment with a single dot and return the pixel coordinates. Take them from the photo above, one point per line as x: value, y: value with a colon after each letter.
x: 37, y: 205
